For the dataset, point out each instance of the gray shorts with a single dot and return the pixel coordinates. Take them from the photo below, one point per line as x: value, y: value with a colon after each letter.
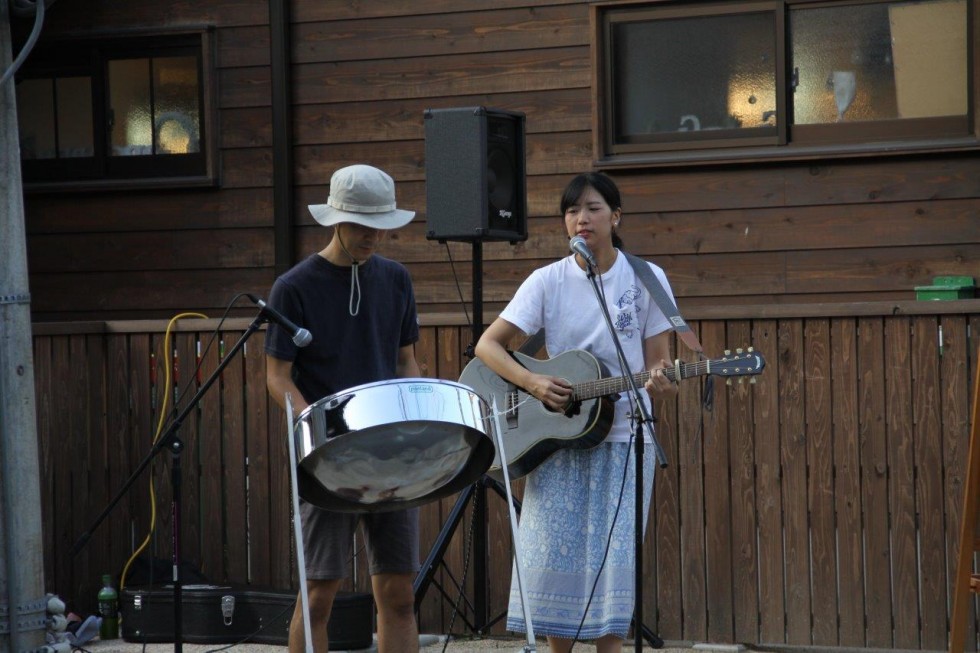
x: 391, y: 540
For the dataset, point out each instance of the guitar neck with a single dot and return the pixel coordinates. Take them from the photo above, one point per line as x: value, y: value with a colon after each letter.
x: 615, y: 384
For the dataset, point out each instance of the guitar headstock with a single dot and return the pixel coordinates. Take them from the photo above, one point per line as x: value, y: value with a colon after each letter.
x: 743, y: 362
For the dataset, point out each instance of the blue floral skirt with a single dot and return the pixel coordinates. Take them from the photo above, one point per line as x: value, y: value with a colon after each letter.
x: 569, y: 508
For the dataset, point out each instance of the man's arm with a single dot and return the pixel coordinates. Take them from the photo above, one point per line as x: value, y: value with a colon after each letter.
x: 279, y: 381
x: 407, y: 367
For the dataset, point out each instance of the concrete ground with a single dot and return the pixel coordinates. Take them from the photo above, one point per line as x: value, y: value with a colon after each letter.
x: 427, y: 643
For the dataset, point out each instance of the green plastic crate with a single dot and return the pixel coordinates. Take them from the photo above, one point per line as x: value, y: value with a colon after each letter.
x: 947, y: 288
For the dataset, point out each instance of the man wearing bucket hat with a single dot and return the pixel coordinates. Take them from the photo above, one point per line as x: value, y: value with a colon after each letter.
x: 360, y: 309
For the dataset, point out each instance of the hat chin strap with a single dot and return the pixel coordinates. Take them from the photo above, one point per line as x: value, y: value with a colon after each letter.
x: 354, y: 305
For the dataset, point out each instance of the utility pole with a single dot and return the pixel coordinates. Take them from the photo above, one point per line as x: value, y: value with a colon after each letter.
x: 21, y: 545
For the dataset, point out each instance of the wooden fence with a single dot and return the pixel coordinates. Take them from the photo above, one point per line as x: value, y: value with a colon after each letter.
x: 819, y: 506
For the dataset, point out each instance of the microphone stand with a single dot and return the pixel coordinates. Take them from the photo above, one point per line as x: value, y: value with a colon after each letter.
x: 169, y: 439
x: 640, y: 416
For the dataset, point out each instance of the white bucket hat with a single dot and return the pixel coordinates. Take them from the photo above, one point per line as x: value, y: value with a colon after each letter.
x: 364, y: 195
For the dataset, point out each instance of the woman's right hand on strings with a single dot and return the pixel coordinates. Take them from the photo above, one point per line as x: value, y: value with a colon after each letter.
x: 552, y: 391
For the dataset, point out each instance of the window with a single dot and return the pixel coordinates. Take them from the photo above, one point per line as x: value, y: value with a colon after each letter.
x: 773, y: 79
x: 127, y: 111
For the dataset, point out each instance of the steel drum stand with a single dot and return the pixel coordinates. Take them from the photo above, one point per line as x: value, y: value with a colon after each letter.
x: 529, y: 644
x: 298, y: 526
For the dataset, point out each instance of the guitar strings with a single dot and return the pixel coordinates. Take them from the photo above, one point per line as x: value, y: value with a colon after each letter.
x: 510, y: 409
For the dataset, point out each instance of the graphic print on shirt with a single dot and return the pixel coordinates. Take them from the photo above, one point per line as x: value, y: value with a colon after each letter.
x: 626, y: 319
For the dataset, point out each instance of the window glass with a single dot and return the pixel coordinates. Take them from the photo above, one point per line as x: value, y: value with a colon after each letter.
x: 714, y: 81
x: 35, y: 116
x: 679, y: 76
x: 116, y: 111
x: 879, y: 61
x: 176, y: 112
x: 130, y: 111
x: 75, y: 131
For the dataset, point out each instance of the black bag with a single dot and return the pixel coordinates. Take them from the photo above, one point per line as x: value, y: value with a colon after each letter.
x: 215, y: 614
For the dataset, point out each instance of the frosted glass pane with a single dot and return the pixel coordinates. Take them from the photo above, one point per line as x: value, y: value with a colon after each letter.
x: 75, y: 135
x: 694, y: 74
x: 176, y: 110
x: 879, y: 62
x: 35, y: 118
x: 130, y: 116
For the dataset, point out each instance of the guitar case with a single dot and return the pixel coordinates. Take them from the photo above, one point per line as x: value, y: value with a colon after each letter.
x: 226, y: 614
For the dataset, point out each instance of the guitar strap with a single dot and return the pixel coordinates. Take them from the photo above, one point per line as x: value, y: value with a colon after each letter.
x: 656, y: 290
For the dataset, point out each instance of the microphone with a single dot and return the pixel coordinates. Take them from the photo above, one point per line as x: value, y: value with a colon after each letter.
x: 577, y: 245
x: 301, y: 336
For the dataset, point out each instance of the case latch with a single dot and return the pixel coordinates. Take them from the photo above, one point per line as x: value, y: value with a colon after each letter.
x: 227, y: 608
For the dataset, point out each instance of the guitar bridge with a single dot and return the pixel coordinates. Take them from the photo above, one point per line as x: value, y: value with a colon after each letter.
x: 510, y: 411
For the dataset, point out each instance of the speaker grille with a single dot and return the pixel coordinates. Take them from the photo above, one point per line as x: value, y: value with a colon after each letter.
x: 475, y: 186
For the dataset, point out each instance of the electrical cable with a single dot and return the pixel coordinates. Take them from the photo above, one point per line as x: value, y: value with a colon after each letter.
x: 163, y: 411
x: 461, y: 585
x: 619, y: 501
x: 459, y: 290
x: 168, y: 366
x: 605, y: 554
x: 628, y: 459
x: 25, y: 8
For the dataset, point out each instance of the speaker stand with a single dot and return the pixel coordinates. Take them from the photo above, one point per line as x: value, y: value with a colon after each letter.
x: 476, y: 492
x: 480, y: 534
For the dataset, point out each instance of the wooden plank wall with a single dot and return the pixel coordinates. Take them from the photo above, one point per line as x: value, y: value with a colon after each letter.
x: 847, y: 229
x: 818, y: 507
x: 155, y: 253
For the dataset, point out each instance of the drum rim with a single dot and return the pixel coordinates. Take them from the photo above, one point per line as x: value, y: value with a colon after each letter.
x: 398, y: 380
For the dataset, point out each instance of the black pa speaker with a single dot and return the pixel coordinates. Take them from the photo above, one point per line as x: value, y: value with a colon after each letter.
x: 474, y: 175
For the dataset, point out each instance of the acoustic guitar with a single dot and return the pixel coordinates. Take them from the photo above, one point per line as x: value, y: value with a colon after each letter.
x: 532, y: 431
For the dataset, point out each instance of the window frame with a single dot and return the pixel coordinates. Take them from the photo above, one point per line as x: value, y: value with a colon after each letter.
x: 59, y: 58
x: 799, y: 142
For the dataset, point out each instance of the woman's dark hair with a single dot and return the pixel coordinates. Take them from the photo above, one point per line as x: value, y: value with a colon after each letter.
x: 603, y: 185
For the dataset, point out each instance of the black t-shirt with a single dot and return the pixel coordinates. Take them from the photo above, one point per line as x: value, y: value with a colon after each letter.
x: 346, y: 350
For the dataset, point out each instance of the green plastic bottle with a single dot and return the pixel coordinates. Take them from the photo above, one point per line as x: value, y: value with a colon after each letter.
x: 108, y: 609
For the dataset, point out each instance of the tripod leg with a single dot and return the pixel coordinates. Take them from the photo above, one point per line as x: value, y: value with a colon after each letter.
x: 652, y: 639
x: 428, y: 570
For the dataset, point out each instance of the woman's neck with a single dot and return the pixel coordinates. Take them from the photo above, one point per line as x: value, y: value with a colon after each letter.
x: 605, y: 258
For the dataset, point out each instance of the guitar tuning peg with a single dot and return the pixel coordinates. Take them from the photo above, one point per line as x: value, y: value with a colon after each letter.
x: 750, y: 349
x: 752, y: 380
x: 728, y: 352
x: 738, y: 351
x: 728, y: 381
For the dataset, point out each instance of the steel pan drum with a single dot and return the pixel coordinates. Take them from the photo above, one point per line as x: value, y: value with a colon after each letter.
x: 391, y: 445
